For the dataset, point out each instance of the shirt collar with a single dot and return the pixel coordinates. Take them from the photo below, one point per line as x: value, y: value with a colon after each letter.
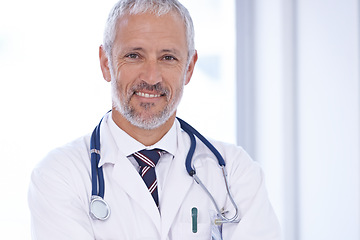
x: 129, y: 145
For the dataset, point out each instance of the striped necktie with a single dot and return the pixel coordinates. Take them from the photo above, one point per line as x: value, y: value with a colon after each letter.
x: 147, y: 160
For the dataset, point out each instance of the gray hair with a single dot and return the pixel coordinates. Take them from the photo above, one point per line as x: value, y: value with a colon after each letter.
x: 157, y: 7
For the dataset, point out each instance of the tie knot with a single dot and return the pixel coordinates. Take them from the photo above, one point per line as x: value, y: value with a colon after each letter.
x: 148, y: 157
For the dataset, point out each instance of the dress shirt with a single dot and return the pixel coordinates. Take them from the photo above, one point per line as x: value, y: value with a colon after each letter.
x: 129, y: 145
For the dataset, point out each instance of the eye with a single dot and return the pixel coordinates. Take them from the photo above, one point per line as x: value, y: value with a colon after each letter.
x: 132, y: 55
x: 169, y: 58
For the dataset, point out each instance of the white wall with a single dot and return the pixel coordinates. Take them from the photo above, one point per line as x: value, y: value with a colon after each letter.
x: 306, y: 96
x: 52, y: 90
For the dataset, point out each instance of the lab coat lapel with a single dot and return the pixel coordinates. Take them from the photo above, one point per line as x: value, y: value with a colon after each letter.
x: 176, y: 187
x: 131, y: 182
x: 126, y: 176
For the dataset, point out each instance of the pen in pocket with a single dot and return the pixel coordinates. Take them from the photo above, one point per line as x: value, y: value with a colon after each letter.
x: 194, y: 215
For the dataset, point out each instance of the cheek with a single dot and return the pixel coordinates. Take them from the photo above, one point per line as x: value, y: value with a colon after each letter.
x: 124, y: 78
x: 124, y: 72
x: 174, y: 76
x: 177, y: 87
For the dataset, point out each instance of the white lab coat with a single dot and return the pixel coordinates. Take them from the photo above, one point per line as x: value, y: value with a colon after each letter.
x: 60, y: 191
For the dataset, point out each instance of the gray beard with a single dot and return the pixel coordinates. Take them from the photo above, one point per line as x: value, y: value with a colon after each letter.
x: 130, y: 114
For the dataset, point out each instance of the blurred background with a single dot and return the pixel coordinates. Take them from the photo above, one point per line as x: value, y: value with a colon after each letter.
x: 279, y: 77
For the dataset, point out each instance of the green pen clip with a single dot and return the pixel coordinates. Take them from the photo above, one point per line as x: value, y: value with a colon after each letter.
x: 194, y: 215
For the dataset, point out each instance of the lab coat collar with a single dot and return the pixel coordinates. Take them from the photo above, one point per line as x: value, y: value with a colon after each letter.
x: 125, y: 175
x: 108, y: 147
x: 129, y: 145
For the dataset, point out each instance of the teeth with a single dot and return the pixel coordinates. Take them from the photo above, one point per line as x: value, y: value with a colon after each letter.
x: 147, y: 95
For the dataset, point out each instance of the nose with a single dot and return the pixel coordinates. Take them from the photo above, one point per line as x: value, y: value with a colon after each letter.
x: 151, y: 73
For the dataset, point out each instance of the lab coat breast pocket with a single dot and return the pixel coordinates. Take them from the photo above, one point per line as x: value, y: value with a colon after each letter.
x: 193, y: 218
x: 184, y: 231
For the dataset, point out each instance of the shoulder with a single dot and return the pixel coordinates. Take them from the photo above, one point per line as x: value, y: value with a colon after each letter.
x: 230, y: 152
x: 66, y: 159
x: 233, y: 155
x: 229, y: 149
x: 237, y: 160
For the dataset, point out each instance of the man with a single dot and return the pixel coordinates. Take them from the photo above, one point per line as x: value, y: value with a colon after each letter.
x: 148, y: 56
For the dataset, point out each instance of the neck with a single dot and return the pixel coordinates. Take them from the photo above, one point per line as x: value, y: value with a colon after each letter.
x: 144, y: 136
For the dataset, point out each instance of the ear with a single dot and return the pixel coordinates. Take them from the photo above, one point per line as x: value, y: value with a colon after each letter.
x: 104, y: 64
x: 191, y: 67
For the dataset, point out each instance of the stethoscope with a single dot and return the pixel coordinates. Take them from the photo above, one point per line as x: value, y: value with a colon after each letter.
x: 100, y: 210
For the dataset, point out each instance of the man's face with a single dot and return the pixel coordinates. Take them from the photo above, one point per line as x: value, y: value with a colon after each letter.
x: 149, y: 68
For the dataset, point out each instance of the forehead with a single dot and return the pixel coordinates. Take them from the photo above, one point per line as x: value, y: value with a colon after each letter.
x: 147, y: 28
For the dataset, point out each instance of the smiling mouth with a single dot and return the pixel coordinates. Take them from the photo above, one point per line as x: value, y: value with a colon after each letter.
x: 147, y: 95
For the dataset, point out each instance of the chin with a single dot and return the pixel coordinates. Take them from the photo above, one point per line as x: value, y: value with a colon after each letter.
x: 149, y: 122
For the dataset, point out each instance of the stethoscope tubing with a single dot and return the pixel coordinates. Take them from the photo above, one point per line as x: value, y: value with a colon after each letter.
x: 97, y: 174
x: 191, y: 132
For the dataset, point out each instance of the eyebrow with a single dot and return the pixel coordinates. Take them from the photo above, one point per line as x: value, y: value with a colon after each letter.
x: 135, y: 49
x: 171, y: 50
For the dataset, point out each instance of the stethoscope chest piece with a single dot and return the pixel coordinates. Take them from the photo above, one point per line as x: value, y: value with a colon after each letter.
x: 99, y: 209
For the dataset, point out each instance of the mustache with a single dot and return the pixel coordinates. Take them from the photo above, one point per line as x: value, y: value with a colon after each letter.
x: 159, y: 88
